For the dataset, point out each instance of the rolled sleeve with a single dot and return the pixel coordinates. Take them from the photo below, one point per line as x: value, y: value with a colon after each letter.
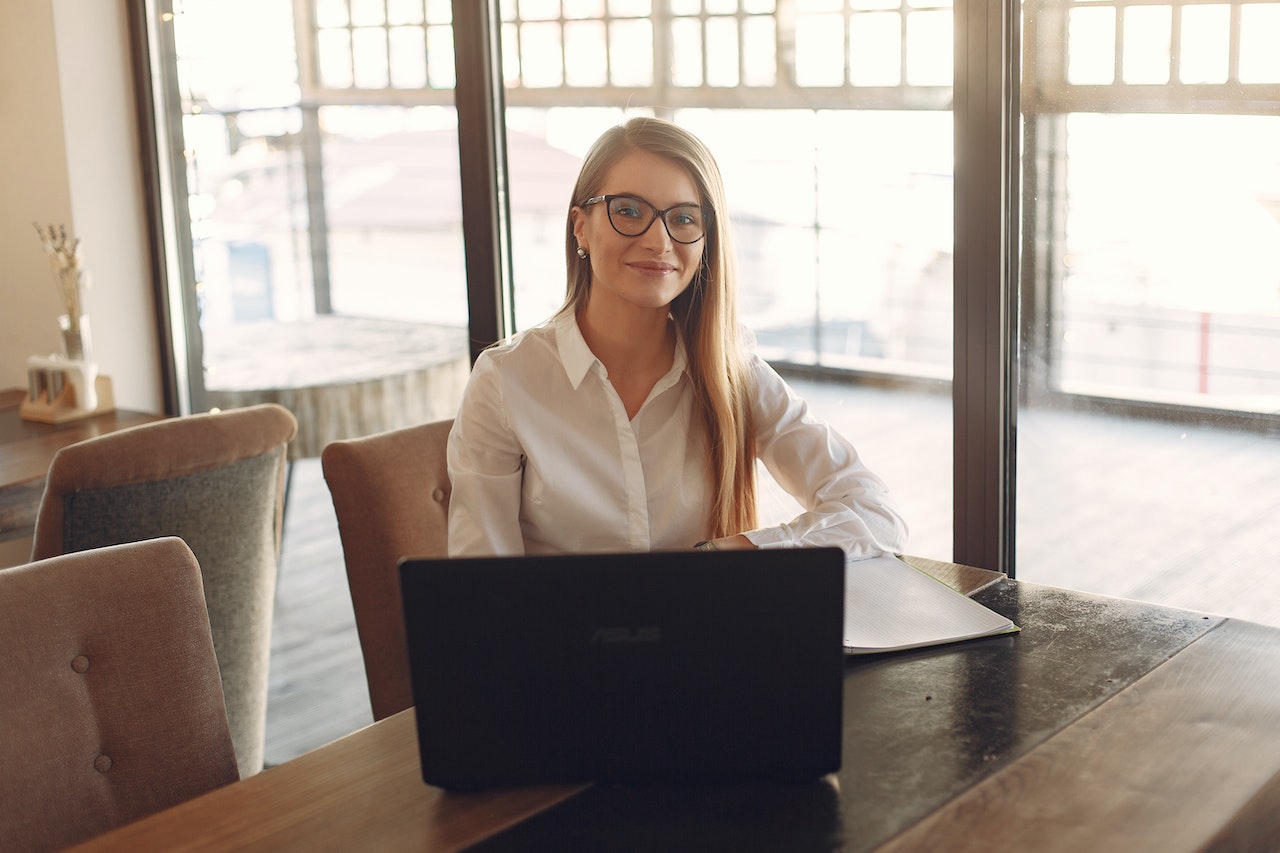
x: 846, y: 505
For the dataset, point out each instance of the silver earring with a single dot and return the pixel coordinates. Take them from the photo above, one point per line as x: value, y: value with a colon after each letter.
x: 582, y: 253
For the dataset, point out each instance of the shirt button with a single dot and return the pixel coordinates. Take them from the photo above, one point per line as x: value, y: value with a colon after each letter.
x: 102, y: 763
x: 80, y: 663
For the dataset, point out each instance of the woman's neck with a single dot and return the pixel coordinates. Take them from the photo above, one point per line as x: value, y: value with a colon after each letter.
x: 636, y: 347
x: 628, y: 339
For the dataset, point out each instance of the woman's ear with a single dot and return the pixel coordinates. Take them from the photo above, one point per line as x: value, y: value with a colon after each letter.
x: 579, y: 217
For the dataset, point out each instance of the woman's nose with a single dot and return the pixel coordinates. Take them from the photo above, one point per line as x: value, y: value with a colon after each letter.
x: 656, y: 234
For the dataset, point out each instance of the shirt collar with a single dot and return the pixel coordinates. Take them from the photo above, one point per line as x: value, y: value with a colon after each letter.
x: 578, y: 358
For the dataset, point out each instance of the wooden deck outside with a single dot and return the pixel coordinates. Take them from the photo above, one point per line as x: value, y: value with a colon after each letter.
x: 1119, y: 507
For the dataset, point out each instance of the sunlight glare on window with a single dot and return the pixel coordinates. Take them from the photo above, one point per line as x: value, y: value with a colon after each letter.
x: 408, y: 57
x: 440, y: 11
x: 1203, y: 49
x: 1259, y: 39
x: 686, y: 52
x: 367, y: 13
x: 1091, y: 39
x: 819, y: 50
x: 539, y: 10
x: 369, y: 48
x: 440, y: 65
x: 875, y: 49
x: 334, y: 48
x: 401, y: 12
x: 585, y: 58
x: 631, y: 48
x: 760, y: 52
x: 1147, y: 39
x: 722, y: 52
x: 331, y: 13
x: 630, y: 8
x: 582, y: 9
x: 929, y: 48
x: 540, y: 54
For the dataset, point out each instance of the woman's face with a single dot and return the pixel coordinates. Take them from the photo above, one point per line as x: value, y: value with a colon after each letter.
x: 650, y: 270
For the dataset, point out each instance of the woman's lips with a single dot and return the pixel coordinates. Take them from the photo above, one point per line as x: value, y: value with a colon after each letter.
x: 654, y: 268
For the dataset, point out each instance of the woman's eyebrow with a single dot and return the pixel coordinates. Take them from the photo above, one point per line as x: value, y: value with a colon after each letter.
x: 639, y: 197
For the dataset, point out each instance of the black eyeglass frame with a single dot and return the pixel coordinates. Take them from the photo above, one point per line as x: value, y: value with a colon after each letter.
x: 708, y: 216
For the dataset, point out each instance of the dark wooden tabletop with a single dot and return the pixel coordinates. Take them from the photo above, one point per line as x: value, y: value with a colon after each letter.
x: 27, y: 448
x: 1105, y: 724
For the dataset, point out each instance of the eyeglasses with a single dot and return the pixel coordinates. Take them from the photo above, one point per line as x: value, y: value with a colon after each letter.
x: 631, y: 217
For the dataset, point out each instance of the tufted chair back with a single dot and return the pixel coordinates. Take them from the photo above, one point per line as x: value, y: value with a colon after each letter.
x: 110, y: 702
x: 391, y: 496
x: 215, y: 481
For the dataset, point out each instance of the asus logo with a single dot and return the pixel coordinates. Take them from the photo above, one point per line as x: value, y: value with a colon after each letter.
x: 647, y: 634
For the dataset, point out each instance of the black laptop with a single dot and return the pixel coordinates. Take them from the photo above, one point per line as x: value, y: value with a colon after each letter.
x: 658, y: 667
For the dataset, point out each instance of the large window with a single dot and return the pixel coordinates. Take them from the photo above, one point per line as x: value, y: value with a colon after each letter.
x: 1077, y: 233
x: 1151, y: 300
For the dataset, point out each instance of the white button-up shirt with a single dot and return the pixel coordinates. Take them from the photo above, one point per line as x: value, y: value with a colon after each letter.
x: 543, y: 459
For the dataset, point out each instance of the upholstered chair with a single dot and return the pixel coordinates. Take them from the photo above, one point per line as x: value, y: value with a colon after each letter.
x: 110, y: 702
x: 214, y: 480
x: 391, y: 496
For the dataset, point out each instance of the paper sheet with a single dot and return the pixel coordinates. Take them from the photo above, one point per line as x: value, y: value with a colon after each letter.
x: 890, y: 605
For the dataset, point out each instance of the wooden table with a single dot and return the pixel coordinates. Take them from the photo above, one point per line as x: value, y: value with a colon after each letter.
x: 1105, y: 725
x: 27, y: 448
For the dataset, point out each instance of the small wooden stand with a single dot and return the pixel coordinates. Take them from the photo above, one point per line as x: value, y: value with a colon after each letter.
x: 64, y: 407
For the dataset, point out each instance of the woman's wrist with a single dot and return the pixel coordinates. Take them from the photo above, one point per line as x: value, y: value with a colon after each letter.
x: 727, y: 543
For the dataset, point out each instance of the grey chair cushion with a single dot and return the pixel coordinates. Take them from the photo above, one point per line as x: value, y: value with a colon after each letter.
x: 226, y: 517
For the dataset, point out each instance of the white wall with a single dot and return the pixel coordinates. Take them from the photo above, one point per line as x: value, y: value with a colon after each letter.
x: 69, y: 154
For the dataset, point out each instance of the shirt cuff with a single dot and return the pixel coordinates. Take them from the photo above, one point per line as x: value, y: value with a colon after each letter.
x: 770, y: 537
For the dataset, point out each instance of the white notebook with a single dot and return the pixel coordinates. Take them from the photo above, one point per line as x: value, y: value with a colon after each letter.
x: 889, y: 605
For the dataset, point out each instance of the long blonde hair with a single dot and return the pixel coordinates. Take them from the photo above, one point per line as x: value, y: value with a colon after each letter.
x: 706, y: 312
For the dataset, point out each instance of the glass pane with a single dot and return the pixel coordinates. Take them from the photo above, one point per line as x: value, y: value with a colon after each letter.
x: 722, y: 52
x: 819, y: 50
x: 408, y: 58
x: 404, y: 12
x: 1147, y: 31
x: 929, y: 48
x: 842, y: 220
x: 1091, y: 46
x: 540, y: 54
x: 631, y: 53
x: 875, y: 49
x: 1259, y: 35
x: 584, y: 54
x: 335, y: 58
x: 759, y: 49
x: 686, y: 52
x: 1150, y: 381
x: 328, y: 239
x: 1204, y: 53
x: 369, y: 52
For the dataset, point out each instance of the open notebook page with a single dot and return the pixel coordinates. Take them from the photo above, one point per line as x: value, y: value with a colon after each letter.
x: 889, y: 605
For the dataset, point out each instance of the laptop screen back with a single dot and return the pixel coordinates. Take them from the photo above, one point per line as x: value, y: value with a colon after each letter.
x: 675, y: 666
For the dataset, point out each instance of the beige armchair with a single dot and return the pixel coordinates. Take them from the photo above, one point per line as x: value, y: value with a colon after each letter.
x: 110, y: 702
x: 391, y: 496
x: 215, y: 481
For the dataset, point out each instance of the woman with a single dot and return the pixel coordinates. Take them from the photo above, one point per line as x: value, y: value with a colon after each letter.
x: 632, y: 419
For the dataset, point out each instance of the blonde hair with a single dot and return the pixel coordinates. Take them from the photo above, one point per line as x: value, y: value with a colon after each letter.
x: 706, y: 312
